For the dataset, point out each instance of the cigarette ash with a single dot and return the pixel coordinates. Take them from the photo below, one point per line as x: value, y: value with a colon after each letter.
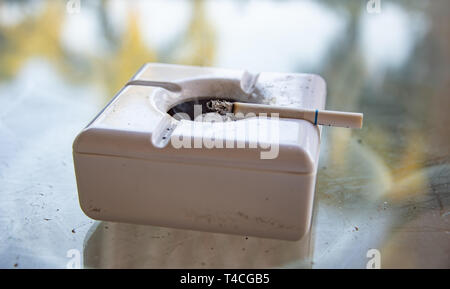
x: 271, y: 89
x: 186, y: 110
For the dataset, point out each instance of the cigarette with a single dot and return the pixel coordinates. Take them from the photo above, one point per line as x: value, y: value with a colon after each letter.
x: 315, y: 116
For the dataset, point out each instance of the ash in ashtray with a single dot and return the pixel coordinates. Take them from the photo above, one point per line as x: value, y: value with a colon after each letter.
x: 190, y: 110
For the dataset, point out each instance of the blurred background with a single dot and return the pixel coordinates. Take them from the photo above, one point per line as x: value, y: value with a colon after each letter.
x: 384, y: 187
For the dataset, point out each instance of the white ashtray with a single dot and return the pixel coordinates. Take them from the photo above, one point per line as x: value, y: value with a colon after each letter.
x: 133, y: 163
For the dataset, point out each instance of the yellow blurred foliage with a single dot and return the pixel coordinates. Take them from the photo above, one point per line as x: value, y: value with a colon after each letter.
x: 132, y: 54
x: 198, y: 47
x: 38, y: 35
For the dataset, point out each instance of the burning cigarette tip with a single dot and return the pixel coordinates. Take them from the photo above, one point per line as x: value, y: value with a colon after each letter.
x: 220, y: 106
